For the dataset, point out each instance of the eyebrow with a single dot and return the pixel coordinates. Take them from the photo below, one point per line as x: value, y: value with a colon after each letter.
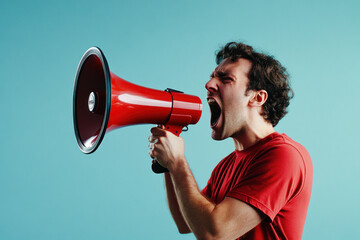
x: 221, y: 74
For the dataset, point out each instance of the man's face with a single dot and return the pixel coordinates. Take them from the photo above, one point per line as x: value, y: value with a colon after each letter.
x: 227, y: 98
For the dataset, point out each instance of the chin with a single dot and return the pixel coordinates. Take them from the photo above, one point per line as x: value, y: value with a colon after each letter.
x: 217, y: 136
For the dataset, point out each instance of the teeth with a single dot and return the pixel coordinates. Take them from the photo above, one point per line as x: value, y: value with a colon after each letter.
x: 210, y: 100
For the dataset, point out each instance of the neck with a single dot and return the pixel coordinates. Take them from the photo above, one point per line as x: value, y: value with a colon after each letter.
x: 251, y: 135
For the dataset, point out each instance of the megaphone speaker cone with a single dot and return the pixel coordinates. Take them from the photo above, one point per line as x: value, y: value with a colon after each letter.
x: 91, y: 100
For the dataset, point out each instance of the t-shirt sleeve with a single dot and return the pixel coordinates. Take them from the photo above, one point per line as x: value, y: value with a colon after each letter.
x: 272, y: 179
x: 206, y: 192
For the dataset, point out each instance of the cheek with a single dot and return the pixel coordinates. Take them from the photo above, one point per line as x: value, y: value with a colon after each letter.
x: 236, y: 109
x: 233, y: 96
x: 234, y: 101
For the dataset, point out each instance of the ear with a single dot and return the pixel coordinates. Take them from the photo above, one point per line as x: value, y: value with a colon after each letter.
x: 258, y: 98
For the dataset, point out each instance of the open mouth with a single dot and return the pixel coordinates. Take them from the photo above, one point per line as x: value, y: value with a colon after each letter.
x: 215, y: 112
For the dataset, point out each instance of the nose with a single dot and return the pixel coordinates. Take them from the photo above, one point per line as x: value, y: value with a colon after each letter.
x: 211, y: 85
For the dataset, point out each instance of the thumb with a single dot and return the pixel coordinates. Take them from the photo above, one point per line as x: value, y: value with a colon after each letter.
x: 158, y: 132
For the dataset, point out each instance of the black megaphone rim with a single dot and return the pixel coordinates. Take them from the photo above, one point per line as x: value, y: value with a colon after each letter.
x: 93, y: 51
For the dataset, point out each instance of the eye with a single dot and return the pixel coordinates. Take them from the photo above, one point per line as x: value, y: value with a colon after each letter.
x: 226, y: 79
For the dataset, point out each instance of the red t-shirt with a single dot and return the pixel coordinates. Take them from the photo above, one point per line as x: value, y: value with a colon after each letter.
x: 275, y: 177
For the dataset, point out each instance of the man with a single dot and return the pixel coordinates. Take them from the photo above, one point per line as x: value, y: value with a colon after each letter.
x: 262, y: 189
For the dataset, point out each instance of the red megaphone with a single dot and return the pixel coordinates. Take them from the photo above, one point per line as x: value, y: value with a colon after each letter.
x: 103, y: 102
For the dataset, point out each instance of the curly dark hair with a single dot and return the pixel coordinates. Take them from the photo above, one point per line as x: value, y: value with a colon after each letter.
x: 266, y: 74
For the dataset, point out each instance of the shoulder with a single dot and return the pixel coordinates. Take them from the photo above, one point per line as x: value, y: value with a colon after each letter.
x: 283, y: 154
x: 282, y: 147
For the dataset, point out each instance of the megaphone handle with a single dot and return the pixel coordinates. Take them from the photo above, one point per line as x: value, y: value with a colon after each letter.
x: 156, y: 167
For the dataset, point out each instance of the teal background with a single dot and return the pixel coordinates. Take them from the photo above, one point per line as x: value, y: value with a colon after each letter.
x: 50, y: 190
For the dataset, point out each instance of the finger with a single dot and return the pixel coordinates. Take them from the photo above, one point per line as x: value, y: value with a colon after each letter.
x: 151, y: 146
x: 153, y: 139
x: 158, y: 132
x: 151, y: 153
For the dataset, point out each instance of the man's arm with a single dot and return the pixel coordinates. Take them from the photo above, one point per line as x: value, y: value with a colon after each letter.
x: 228, y: 220
x: 174, y: 206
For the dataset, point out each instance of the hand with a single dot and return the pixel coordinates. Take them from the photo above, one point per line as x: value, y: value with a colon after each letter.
x: 166, y: 148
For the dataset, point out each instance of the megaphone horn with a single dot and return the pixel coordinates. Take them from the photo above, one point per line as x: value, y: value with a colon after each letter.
x: 103, y: 102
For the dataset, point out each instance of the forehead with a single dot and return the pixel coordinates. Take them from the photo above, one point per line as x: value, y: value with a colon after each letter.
x: 239, y: 68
